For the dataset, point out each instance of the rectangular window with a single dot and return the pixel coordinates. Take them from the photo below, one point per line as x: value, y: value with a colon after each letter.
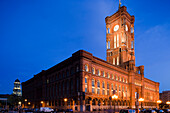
x: 117, y: 60
x: 103, y: 92
x: 93, y: 90
x: 85, y: 89
x: 132, y: 44
x: 115, y: 41
x: 108, y: 44
x: 98, y: 91
x: 113, y: 61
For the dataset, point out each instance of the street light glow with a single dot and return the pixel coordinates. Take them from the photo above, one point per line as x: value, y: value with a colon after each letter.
x: 25, y: 100
x: 41, y: 102
x: 141, y: 99
x: 29, y: 103
x: 159, y: 101
x: 168, y: 102
x: 65, y: 99
x: 114, y: 97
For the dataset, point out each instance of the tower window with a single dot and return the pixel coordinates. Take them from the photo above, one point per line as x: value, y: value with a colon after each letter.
x: 108, y: 44
x: 86, y: 68
x: 93, y: 70
x: 108, y: 30
x: 117, y: 60
x: 115, y: 41
x: 132, y: 44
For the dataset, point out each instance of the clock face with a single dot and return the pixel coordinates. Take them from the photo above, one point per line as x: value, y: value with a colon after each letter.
x: 126, y: 27
x: 116, y: 28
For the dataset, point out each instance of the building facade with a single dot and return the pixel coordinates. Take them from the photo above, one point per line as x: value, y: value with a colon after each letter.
x: 85, y: 82
x: 17, y: 88
x: 165, y: 96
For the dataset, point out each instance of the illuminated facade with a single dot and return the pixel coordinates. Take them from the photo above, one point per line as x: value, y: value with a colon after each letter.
x: 17, y: 88
x: 87, y: 82
x: 165, y: 96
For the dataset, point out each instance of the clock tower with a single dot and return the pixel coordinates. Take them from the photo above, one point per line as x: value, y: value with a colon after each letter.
x: 120, y: 38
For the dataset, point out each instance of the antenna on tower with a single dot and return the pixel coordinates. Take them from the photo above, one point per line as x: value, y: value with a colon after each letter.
x: 120, y: 4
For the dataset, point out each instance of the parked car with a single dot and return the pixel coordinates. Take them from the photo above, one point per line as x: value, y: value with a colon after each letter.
x: 166, y: 110
x: 127, y: 111
x: 150, y: 111
x: 159, y: 111
x: 142, y: 110
x: 46, y: 109
x: 69, y: 110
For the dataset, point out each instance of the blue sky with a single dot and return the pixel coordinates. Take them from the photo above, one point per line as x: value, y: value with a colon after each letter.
x: 37, y: 34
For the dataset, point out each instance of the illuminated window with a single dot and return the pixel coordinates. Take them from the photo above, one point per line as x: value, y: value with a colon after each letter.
x: 119, y: 78
x: 116, y: 77
x: 112, y: 76
x: 113, y: 61
x: 98, y: 72
x: 86, y: 68
x: 93, y: 86
x: 108, y: 75
x: 112, y: 89
x: 103, y: 74
x: 115, y: 41
x: 93, y: 70
x: 117, y: 60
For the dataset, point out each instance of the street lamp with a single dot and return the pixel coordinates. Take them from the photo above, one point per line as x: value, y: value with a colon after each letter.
x: 19, y: 103
x: 41, y: 105
x: 29, y: 103
x: 159, y: 102
x: 65, y: 100
x: 25, y: 102
x: 168, y: 102
x: 141, y: 100
x: 114, y: 97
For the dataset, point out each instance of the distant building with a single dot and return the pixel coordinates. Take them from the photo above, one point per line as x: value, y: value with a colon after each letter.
x: 17, y: 88
x: 165, y: 96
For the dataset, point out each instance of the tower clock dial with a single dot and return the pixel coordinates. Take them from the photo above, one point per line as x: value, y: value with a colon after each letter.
x: 116, y: 27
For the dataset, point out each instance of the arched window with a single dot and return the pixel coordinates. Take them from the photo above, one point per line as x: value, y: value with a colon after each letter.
x: 112, y: 76
x: 108, y: 75
x: 86, y: 68
x: 98, y: 72
x: 93, y: 70
x: 103, y: 85
x: 93, y: 86
x: 103, y: 74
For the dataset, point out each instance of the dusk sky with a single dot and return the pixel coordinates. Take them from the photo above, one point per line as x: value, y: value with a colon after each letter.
x: 37, y: 34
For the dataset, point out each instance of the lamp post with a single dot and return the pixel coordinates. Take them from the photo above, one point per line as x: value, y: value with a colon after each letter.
x: 168, y: 103
x: 65, y: 100
x: 25, y: 102
x: 141, y: 100
x: 158, y: 102
x: 41, y: 104
x: 114, y: 97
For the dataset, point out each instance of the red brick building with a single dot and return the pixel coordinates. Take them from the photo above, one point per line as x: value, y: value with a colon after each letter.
x: 87, y: 81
